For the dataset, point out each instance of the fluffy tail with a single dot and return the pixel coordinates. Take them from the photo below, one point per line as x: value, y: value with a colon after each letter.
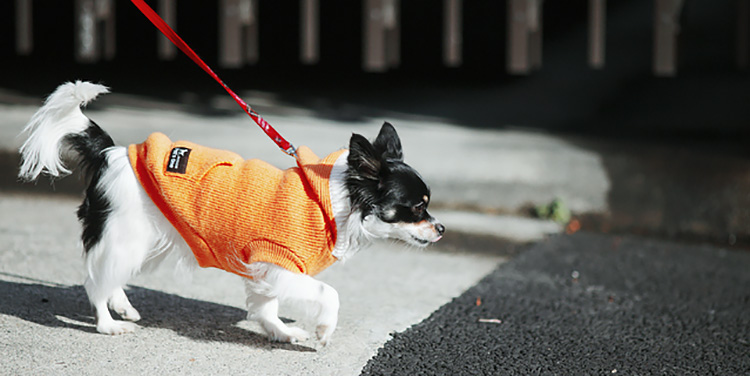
x: 59, y: 120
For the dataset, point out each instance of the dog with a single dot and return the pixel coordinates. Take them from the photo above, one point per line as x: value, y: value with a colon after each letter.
x: 205, y: 207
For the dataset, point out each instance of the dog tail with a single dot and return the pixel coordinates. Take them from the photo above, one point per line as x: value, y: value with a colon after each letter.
x: 60, y: 125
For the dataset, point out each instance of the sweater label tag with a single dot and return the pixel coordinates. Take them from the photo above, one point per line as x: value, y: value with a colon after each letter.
x: 178, y: 160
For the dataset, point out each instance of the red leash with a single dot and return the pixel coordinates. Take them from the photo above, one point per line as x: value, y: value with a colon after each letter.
x: 285, y: 145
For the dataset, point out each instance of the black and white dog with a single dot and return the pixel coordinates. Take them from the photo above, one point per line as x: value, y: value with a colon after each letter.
x: 373, y: 195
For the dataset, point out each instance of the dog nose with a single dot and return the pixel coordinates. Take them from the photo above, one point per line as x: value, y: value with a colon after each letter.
x: 440, y: 229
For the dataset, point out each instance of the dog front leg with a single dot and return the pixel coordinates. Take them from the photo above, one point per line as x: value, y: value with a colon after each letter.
x: 265, y: 310
x: 272, y: 284
x: 329, y: 314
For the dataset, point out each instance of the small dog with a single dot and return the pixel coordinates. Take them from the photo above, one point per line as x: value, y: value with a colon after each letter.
x: 212, y: 208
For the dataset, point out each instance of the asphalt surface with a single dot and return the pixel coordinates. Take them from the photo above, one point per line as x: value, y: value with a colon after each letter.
x: 589, y: 305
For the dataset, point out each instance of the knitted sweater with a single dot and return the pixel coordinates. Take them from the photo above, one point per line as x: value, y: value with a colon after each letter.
x: 233, y: 212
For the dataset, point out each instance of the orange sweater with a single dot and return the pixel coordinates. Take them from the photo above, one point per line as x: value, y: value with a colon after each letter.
x: 233, y: 212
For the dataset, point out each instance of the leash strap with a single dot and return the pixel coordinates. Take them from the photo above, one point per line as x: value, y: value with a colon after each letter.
x: 160, y: 24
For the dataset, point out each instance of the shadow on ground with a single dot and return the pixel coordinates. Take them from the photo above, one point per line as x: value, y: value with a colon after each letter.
x: 59, y: 306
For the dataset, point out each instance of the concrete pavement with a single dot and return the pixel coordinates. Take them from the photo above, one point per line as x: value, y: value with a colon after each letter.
x: 194, y: 321
x: 483, y: 182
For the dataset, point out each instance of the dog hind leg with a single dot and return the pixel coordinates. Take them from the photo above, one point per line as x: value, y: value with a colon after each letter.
x: 105, y: 324
x: 121, y: 237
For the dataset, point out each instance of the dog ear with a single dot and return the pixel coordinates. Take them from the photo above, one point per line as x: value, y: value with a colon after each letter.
x: 364, y: 158
x: 388, y: 144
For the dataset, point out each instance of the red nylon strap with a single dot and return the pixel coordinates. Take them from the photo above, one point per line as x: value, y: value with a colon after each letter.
x: 285, y: 145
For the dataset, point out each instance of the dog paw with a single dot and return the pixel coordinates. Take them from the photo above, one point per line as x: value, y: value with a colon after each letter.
x: 115, y: 327
x: 119, y: 303
x: 324, y: 332
x: 287, y: 334
x: 328, y: 316
x: 129, y: 314
x: 297, y: 335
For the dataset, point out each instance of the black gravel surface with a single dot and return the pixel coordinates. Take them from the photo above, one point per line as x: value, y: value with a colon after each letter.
x: 590, y: 305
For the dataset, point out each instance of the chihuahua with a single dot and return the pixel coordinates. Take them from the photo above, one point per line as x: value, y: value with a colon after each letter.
x: 211, y: 208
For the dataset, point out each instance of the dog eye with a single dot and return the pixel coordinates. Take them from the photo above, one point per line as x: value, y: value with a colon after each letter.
x: 418, y: 209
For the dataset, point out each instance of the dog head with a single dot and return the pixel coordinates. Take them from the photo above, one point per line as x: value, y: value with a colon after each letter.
x: 391, y: 196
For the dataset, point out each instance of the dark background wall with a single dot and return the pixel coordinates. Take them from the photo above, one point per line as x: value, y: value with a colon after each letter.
x: 707, y: 98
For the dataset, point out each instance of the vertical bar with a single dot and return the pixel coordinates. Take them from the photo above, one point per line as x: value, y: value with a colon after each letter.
x: 452, y: 30
x: 106, y: 15
x: 374, y: 38
x: 743, y: 15
x: 24, y: 27
x: 517, y: 58
x: 666, y: 28
x: 168, y: 11
x: 249, y: 10
x: 597, y: 29
x: 86, y: 35
x: 534, y: 12
x: 229, y: 34
x: 310, y: 48
x: 391, y: 23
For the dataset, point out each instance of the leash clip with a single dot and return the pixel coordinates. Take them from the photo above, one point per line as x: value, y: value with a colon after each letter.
x: 291, y: 150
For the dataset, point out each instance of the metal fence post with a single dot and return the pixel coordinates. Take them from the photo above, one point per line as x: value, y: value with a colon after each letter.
x: 168, y: 12
x: 452, y: 32
x: 238, y: 23
x: 24, y: 27
x: 309, y: 31
x: 95, y: 30
x: 666, y: 30
x: 524, y: 45
x: 381, y: 35
x: 597, y: 32
x: 743, y: 16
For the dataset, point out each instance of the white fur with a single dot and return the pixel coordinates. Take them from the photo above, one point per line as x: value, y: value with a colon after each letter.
x: 59, y: 116
x: 349, y: 237
x: 137, y: 236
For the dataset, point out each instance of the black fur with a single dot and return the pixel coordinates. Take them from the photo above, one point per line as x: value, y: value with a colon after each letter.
x: 379, y: 182
x: 94, y: 210
x: 388, y: 144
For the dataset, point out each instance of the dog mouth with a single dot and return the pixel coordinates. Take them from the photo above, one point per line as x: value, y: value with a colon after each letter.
x: 424, y: 242
x: 420, y: 241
